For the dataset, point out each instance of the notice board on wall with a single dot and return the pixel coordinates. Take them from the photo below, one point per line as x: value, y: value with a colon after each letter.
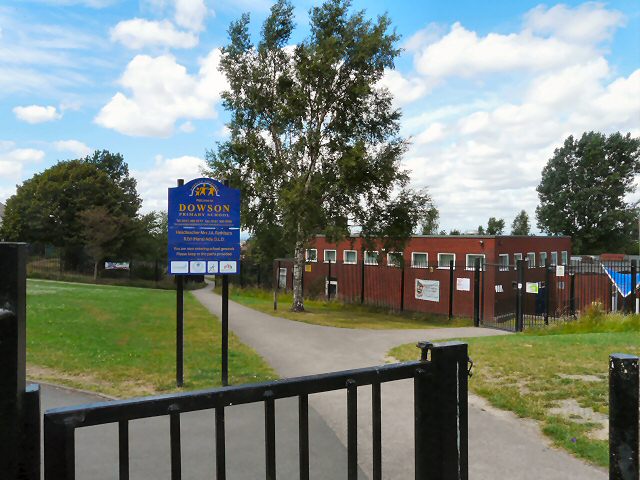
x: 428, y: 290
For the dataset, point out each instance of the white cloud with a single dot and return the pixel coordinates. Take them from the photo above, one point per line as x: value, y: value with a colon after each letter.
x: 589, y: 22
x: 191, y: 14
x: 76, y: 147
x: 154, y: 181
x: 12, y: 161
x: 37, y: 114
x: 463, y: 53
x: 140, y: 33
x: 404, y: 90
x: 162, y: 91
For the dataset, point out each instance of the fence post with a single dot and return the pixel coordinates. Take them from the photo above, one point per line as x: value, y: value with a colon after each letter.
x: 329, y: 282
x: 19, y: 404
x: 476, y: 293
x: 520, y: 297
x: 277, y: 287
x: 572, y: 294
x: 623, y: 417
x: 402, y: 284
x: 441, y: 416
x: 450, y: 289
x: 634, y: 283
x: 547, y: 291
x: 362, y: 283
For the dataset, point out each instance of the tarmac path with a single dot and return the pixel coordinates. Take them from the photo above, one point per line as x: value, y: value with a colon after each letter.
x: 501, y: 446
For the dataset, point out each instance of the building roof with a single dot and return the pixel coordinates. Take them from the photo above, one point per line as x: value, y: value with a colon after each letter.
x: 356, y: 235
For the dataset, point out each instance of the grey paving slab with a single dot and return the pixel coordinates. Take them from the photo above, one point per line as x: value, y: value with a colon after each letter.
x: 501, y: 446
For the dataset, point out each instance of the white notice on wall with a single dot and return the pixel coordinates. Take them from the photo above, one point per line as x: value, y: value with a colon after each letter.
x: 463, y: 284
x: 428, y: 290
x: 499, y: 289
x: 559, y: 270
x: 532, y: 287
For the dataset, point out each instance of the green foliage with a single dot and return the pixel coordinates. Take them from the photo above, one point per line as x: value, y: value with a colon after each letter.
x: 102, y: 233
x: 521, y: 224
x: 315, y: 142
x: 455, y: 231
x: 495, y: 226
x: 480, y: 230
x: 46, y: 208
x: 583, y: 192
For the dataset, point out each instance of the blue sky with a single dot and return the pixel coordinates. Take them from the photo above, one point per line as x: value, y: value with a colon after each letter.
x: 488, y: 89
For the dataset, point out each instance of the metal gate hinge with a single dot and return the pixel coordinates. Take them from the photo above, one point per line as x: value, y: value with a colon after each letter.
x: 469, y: 372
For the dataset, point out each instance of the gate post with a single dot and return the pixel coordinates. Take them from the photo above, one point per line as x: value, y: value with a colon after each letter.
x: 520, y: 297
x: 547, y: 291
x: 623, y: 417
x: 634, y: 283
x: 19, y: 404
x: 476, y: 294
x: 441, y: 415
x: 450, y: 289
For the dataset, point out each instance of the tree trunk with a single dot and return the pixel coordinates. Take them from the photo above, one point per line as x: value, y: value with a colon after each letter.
x: 298, y: 267
x: 95, y: 272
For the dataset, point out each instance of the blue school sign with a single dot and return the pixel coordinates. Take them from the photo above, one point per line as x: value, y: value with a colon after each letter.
x: 204, y: 228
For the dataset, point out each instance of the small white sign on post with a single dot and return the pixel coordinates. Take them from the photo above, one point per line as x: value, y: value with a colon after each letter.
x: 428, y: 290
x: 463, y: 284
x: 559, y: 270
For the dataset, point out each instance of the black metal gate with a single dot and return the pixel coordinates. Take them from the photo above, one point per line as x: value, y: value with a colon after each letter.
x: 440, y: 406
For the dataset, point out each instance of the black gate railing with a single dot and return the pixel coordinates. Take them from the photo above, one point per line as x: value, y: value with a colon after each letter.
x: 440, y: 402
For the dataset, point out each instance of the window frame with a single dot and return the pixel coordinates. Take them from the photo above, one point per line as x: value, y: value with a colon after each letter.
x: 306, y: 255
x: 531, y: 264
x: 344, y: 257
x: 280, y: 277
x: 501, y: 267
x: 546, y: 256
x: 516, y: 257
x: 389, y: 255
x: 448, y: 266
x: 413, y: 261
x: 554, y: 262
x: 364, y: 257
x: 565, y: 257
x: 483, y: 264
x: 335, y: 255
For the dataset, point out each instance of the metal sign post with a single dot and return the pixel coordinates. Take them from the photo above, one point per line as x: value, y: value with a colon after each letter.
x: 203, y: 238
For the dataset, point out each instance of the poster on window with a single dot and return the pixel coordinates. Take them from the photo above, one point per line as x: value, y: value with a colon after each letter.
x: 428, y: 290
x: 463, y: 284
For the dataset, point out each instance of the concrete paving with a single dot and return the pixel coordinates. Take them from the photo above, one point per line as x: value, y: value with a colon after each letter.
x: 97, y: 447
x: 500, y: 445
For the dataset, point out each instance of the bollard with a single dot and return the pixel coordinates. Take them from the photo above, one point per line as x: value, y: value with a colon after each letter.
x: 623, y: 417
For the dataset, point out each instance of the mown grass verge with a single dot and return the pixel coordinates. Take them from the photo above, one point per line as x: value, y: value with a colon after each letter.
x: 339, y: 314
x: 557, y: 376
x: 121, y: 340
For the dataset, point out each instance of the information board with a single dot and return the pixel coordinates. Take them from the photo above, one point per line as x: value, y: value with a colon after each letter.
x: 428, y: 290
x: 204, y: 228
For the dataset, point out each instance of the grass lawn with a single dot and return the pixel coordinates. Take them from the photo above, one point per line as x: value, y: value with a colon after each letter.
x: 338, y: 314
x: 558, y: 377
x: 121, y: 340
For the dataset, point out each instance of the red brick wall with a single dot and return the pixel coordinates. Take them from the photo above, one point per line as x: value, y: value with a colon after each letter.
x: 382, y: 284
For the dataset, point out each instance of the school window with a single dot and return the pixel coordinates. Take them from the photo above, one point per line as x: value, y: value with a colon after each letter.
x: 543, y: 259
x: 394, y: 259
x: 371, y: 258
x: 329, y: 256
x: 311, y: 255
x: 516, y: 257
x: 565, y: 258
x: 471, y: 260
x: 282, y: 278
x: 444, y: 259
x: 350, y: 257
x: 554, y: 258
x: 503, y: 262
x: 531, y: 259
x: 419, y: 260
